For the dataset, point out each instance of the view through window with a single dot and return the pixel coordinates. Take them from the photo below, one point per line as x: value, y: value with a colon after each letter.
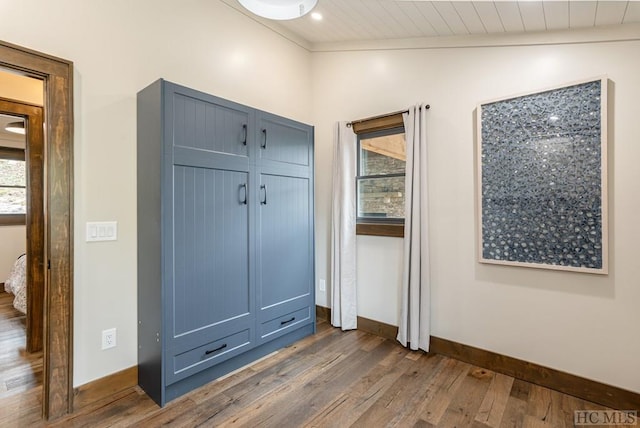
x: 381, y: 175
x: 13, y: 179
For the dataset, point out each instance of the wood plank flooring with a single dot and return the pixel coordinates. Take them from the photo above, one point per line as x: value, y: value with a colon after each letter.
x: 19, y: 371
x: 332, y: 379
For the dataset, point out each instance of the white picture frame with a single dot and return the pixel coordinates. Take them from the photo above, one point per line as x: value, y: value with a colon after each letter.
x: 542, y: 179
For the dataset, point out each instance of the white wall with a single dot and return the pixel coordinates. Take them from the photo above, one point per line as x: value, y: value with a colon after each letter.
x: 379, y: 274
x: 580, y: 323
x: 118, y: 47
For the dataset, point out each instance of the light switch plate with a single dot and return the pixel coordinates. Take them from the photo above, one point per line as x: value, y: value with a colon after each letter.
x: 102, y: 231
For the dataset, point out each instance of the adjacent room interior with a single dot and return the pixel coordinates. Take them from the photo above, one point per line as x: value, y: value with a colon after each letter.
x: 21, y: 304
x: 317, y: 124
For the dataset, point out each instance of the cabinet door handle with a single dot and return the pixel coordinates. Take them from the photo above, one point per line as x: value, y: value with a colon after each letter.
x: 219, y: 348
x: 263, y: 187
x: 243, y: 199
x: 287, y: 321
x: 244, y: 132
x: 264, y: 140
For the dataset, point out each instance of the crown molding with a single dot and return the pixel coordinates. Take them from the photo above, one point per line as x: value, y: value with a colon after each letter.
x: 610, y: 33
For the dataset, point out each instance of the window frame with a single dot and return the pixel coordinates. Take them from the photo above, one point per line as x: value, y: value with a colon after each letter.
x: 11, y: 153
x: 369, y: 126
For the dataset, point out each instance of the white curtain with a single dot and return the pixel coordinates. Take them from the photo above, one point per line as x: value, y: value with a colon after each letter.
x: 414, y: 325
x: 343, y: 230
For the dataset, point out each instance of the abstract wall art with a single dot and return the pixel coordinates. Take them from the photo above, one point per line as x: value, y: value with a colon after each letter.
x: 542, y: 179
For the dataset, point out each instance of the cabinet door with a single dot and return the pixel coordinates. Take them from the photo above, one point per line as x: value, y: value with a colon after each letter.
x: 208, y: 123
x: 283, y: 140
x: 211, y: 256
x: 211, y: 295
x: 285, y: 253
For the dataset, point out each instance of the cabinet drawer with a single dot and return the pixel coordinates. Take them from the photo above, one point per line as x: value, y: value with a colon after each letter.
x: 284, y: 322
x: 189, y: 362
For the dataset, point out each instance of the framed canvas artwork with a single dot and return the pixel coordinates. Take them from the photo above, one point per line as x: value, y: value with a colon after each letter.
x: 542, y: 179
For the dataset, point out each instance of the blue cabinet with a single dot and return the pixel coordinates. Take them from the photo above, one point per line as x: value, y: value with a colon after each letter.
x: 225, y: 236
x: 285, y: 276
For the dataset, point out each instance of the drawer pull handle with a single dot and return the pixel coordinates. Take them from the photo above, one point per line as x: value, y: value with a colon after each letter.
x: 264, y: 141
x: 244, y: 132
x: 219, y: 348
x: 287, y: 321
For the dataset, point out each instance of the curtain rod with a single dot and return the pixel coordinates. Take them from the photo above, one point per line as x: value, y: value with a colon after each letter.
x: 350, y: 124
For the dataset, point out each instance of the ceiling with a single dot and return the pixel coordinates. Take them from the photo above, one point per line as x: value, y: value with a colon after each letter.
x: 8, y: 138
x: 366, y: 20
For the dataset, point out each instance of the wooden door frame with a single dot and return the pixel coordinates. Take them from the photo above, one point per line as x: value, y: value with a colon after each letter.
x: 57, y: 75
x: 34, y: 219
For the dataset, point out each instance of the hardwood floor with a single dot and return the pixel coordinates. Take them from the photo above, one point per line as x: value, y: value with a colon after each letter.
x: 20, y: 371
x: 333, y: 379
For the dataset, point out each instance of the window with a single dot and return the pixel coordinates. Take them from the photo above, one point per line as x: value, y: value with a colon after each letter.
x: 13, y: 186
x: 381, y: 171
x: 380, y: 176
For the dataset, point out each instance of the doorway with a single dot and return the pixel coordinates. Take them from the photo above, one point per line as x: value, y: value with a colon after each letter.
x: 30, y: 118
x: 57, y: 159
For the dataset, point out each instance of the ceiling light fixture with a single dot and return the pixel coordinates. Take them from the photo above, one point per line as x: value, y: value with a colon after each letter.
x: 279, y: 9
x: 15, y: 127
x: 316, y: 16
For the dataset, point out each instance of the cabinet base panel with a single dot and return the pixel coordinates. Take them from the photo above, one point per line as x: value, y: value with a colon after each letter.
x: 184, y: 386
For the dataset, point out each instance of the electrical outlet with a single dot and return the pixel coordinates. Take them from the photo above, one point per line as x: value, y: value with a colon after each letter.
x: 108, y: 338
x: 323, y: 285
